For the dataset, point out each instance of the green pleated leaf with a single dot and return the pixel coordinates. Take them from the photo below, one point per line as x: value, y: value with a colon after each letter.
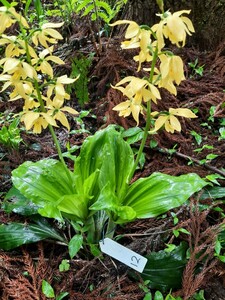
x: 107, y: 152
x: 74, y: 205
x: 49, y: 210
x: 164, y: 270
x: 158, y: 193
x: 109, y: 202
x: 42, y: 181
x: 16, y: 234
x: 107, y: 199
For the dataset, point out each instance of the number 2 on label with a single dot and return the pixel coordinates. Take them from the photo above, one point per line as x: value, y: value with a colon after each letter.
x: 135, y: 260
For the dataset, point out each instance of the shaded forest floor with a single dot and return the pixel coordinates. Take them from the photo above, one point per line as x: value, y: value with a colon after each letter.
x: 22, y: 270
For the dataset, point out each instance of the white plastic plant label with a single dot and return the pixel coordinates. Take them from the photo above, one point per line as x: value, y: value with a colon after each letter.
x: 123, y: 254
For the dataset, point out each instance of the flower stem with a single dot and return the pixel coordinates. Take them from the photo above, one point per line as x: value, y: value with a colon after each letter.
x: 43, y: 109
x: 58, y: 148
x: 142, y: 145
x: 148, y: 120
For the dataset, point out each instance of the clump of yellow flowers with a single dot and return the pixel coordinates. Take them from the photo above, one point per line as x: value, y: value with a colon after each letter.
x: 165, y: 71
x: 27, y: 69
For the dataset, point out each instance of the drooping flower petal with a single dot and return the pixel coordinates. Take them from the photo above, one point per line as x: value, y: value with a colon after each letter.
x: 174, y: 122
x: 182, y: 112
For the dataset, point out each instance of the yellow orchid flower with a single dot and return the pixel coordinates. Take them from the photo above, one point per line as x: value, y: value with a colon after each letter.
x: 47, y: 34
x: 132, y: 33
x: 29, y: 95
x: 37, y: 120
x: 129, y: 107
x: 9, y: 16
x: 138, y: 37
x: 144, y: 54
x: 58, y: 87
x: 132, y: 30
x: 171, y: 70
x: 174, y: 27
x: 25, y: 91
x: 138, y: 88
x: 42, y: 61
x: 14, y: 47
x: 15, y: 81
x: 137, y: 91
x: 56, y: 110
x: 21, y: 68
x: 6, y: 19
x: 30, y: 103
x: 169, y: 121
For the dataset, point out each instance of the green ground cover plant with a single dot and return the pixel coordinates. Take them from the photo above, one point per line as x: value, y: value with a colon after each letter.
x: 10, y: 135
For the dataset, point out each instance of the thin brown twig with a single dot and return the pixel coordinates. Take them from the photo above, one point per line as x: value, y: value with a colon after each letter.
x: 187, y: 157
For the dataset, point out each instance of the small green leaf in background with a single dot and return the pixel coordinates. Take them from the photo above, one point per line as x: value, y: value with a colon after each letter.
x: 197, y: 137
x: 64, y: 266
x: 47, y: 289
x: 148, y: 296
x: 213, y: 178
x: 153, y: 144
x: 199, y: 295
x: 218, y: 247
x: 222, y: 133
x: 176, y: 232
x: 133, y: 135
x: 95, y: 250
x: 170, y: 297
x: 62, y: 295
x: 158, y: 296
x: 170, y: 247
x: 175, y: 218
x: 75, y: 245
x: 211, y: 156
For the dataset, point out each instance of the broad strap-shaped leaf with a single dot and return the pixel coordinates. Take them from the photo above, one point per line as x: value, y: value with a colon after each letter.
x: 164, y: 270
x: 16, y: 234
x: 107, y: 152
x: 16, y: 202
x: 74, y: 205
x: 43, y: 181
x: 110, y: 203
x: 158, y: 193
x: 213, y: 192
x: 49, y: 210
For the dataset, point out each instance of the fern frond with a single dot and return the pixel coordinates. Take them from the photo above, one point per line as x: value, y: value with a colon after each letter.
x: 104, y: 5
x: 88, y: 10
x: 83, y: 4
x: 98, y: 9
